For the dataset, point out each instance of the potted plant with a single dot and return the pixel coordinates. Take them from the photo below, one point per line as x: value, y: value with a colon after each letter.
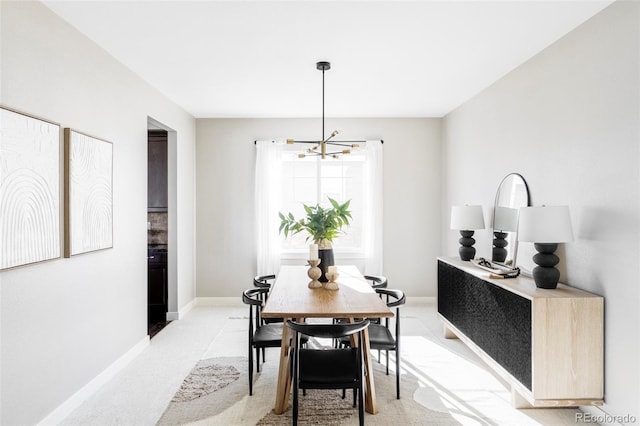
x: 322, y: 224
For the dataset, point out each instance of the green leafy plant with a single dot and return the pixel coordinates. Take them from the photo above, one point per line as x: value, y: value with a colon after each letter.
x: 321, y: 223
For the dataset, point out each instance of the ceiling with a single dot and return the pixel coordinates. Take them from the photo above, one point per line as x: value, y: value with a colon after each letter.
x: 388, y: 58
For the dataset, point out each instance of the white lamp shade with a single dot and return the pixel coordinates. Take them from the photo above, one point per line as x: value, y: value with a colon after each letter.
x: 505, y: 219
x: 547, y: 225
x: 467, y: 218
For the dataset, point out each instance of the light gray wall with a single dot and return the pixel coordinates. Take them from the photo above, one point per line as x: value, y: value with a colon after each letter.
x: 568, y: 121
x: 65, y: 321
x: 225, y: 190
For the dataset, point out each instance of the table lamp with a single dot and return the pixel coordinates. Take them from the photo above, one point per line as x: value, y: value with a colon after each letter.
x: 505, y: 219
x: 545, y: 227
x: 466, y: 219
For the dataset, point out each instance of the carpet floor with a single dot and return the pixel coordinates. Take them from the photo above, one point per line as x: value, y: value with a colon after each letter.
x: 216, y: 392
x: 204, y: 354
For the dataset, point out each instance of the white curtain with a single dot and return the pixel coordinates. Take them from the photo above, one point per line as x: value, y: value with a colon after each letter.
x: 268, y: 201
x: 373, y: 209
x: 268, y: 196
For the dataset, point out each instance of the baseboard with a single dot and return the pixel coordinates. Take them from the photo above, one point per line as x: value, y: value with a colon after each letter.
x: 60, y: 413
x: 174, y: 316
x: 595, y: 415
x: 218, y: 301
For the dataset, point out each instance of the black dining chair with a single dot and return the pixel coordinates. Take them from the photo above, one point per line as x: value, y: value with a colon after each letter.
x: 265, y: 281
x: 261, y: 335
x: 380, y: 336
x: 328, y: 368
x: 377, y: 281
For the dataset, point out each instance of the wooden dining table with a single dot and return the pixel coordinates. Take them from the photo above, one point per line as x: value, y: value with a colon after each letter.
x: 291, y: 298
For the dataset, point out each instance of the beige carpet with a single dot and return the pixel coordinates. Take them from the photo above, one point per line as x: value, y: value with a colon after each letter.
x: 216, y: 393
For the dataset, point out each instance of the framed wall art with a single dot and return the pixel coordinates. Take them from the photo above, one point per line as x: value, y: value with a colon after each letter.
x: 88, y: 188
x: 29, y: 189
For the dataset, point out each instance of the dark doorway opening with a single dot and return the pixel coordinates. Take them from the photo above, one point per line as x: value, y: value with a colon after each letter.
x: 157, y: 231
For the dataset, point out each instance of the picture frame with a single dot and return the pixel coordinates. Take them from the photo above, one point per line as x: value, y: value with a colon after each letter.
x: 88, y: 189
x: 30, y: 205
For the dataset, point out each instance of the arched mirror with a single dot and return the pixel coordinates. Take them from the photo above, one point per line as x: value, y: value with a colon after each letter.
x: 512, y: 194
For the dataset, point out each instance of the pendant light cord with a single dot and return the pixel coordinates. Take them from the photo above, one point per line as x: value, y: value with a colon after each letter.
x: 322, y: 105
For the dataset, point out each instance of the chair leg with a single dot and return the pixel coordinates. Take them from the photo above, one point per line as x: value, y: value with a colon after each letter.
x: 296, y: 388
x: 258, y: 360
x: 295, y: 406
x: 355, y: 394
x: 387, y: 362
x: 397, y: 374
x: 361, y: 403
x: 250, y: 370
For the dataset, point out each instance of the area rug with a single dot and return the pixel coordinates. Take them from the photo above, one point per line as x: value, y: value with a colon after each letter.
x: 207, y: 377
x: 216, y: 392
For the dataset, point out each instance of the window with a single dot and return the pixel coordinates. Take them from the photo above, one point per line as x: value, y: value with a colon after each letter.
x: 312, y: 181
x: 283, y: 182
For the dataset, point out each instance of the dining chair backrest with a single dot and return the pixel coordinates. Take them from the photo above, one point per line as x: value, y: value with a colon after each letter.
x: 328, y: 331
x: 254, y: 298
x: 395, y: 299
x: 263, y: 280
x: 335, y: 368
x: 377, y: 281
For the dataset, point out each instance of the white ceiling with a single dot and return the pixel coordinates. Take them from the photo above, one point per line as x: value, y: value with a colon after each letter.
x: 388, y: 58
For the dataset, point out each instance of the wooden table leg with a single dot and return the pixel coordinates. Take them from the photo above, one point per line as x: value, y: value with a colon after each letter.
x: 284, y: 373
x: 370, y: 404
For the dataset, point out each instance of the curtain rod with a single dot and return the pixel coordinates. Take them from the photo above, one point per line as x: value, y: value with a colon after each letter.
x: 381, y: 141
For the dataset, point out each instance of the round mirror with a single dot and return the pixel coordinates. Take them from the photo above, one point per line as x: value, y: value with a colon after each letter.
x: 512, y: 194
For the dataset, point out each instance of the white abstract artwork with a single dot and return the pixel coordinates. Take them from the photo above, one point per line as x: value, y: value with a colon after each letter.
x: 29, y: 189
x: 89, y: 194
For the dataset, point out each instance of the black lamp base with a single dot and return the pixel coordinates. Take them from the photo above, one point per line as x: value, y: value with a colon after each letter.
x: 499, y: 253
x: 545, y: 274
x: 466, y: 250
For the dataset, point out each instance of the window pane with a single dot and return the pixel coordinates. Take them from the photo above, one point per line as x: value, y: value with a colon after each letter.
x: 306, y: 190
x: 312, y: 181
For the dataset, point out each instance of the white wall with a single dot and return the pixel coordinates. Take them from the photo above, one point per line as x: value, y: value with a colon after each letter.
x: 65, y: 321
x: 568, y: 121
x: 225, y: 204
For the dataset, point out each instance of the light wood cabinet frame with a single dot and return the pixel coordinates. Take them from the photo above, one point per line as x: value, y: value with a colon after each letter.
x: 567, y: 335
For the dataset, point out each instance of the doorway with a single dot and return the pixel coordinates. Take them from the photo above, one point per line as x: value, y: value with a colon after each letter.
x: 157, y: 230
x: 161, y: 254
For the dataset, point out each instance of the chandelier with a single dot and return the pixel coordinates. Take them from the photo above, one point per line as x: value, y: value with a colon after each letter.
x: 320, y: 147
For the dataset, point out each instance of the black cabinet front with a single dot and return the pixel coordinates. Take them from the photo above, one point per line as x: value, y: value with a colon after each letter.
x: 157, y: 294
x: 157, y: 172
x: 497, y: 320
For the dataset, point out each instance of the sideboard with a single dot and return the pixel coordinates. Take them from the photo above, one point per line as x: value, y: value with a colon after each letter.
x: 546, y: 344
